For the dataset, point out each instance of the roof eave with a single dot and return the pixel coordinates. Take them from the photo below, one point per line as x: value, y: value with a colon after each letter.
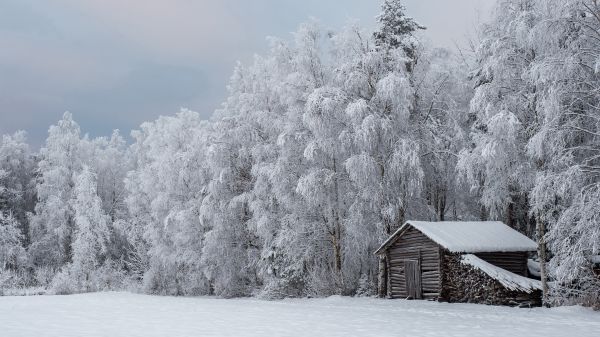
x: 390, y: 240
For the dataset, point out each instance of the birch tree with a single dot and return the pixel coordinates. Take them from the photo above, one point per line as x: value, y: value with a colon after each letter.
x: 565, y: 146
x: 52, y: 223
x: 165, y: 193
x: 504, y: 105
x: 91, y: 234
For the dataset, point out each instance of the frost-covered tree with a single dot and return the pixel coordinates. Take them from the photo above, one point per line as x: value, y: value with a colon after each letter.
x: 397, y: 30
x: 565, y: 146
x: 91, y: 234
x: 442, y: 121
x: 110, y: 159
x: 240, y: 208
x: 52, y: 223
x: 534, y: 155
x: 503, y: 108
x: 12, y: 253
x: 230, y: 251
x: 390, y: 134
x: 326, y: 185
x: 17, y: 191
x: 165, y: 193
x: 287, y: 76
x: 14, y: 263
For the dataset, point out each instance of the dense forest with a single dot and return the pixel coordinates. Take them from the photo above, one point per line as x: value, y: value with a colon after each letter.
x: 325, y: 145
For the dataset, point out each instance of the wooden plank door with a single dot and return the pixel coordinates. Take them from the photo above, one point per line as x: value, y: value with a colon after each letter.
x: 412, y: 272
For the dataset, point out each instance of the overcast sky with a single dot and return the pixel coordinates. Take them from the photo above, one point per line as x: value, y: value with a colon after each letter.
x: 117, y: 63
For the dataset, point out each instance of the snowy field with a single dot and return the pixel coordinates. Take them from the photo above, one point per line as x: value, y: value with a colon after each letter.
x: 125, y: 314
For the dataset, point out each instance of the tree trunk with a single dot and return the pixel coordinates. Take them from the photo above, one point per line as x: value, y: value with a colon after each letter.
x: 337, y: 251
x: 441, y: 204
x: 337, y: 235
x: 68, y: 241
x: 401, y: 218
x: 510, y: 216
x: 337, y: 259
x: 541, y: 231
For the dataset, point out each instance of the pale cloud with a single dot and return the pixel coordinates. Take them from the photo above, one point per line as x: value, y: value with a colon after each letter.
x: 117, y: 63
x: 43, y: 62
x: 170, y: 31
x: 450, y: 23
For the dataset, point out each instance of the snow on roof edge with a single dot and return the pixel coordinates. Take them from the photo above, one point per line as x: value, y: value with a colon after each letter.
x: 508, y: 279
x: 475, y: 236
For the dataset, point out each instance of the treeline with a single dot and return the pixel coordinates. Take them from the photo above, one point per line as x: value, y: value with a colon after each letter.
x: 324, y: 147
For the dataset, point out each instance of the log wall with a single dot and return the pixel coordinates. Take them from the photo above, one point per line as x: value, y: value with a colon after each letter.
x: 515, y: 262
x: 413, y: 245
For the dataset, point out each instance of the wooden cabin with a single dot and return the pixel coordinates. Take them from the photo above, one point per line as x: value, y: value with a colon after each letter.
x: 481, y: 262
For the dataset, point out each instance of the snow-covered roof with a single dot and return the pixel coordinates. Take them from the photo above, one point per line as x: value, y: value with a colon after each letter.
x: 508, y: 279
x: 468, y: 236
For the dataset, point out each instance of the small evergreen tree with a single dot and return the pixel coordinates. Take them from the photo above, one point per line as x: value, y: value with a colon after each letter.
x: 397, y: 30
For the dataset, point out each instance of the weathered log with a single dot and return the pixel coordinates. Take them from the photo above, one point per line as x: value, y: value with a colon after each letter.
x: 515, y: 262
x: 382, y: 277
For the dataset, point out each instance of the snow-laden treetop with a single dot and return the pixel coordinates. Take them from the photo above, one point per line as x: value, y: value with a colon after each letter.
x: 468, y: 236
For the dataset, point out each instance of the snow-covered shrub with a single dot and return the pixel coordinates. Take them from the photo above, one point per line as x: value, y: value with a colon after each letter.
x: 64, y: 283
x: 12, y: 253
x: 43, y: 276
x: 161, y: 280
x: 321, y: 283
x: 366, y: 287
x: 14, y: 279
x: 283, y: 288
x: 70, y: 280
x: 109, y: 276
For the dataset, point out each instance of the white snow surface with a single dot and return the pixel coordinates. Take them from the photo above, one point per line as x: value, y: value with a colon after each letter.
x: 534, y: 267
x: 508, y: 279
x: 471, y: 236
x: 132, y: 315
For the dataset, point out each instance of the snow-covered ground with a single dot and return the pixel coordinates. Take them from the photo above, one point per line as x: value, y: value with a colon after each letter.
x: 125, y: 314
